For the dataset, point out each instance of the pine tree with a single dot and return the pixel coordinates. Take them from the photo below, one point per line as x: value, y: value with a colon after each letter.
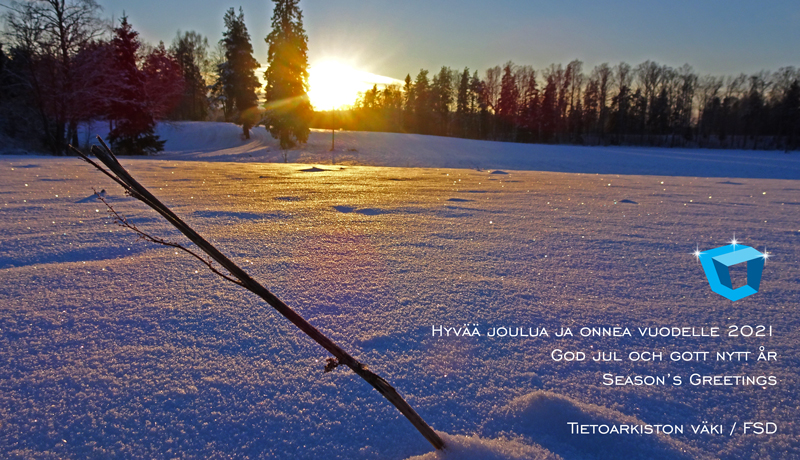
x: 237, y: 82
x: 133, y: 132
x: 289, y: 110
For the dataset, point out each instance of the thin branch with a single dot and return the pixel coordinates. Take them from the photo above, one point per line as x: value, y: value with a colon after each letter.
x: 122, y: 177
x: 122, y: 221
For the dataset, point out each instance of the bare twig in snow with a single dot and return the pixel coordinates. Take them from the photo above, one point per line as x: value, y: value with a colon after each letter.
x: 122, y: 221
x: 238, y: 276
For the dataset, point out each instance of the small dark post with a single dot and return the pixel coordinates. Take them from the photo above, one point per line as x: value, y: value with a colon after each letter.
x: 333, y: 129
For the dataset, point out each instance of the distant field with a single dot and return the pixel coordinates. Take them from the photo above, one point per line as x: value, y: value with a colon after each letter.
x: 208, y: 141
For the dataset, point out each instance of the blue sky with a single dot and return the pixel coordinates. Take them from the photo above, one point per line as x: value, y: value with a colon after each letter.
x: 395, y: 38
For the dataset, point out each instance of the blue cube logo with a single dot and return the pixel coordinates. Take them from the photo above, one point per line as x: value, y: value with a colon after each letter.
x: 717, y: 262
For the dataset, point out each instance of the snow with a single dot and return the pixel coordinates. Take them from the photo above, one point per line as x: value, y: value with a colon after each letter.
x: 476, y: 448
x: 224, y: 142
x: 115, y: 347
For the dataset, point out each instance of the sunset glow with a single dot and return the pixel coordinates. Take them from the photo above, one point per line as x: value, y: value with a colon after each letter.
x: 333, y: 85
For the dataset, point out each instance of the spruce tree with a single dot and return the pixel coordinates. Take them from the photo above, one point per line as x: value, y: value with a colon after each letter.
x: 789, y: 111
x: 5, y: 87
x: 190, y: 50
x: 289, y: 110
x: 422, y: 103
x: 591, y: 105
x: 3, y: 59
x: 237, y: 82
x: 441, y: 100
x: 478, y: 110
x: 462, y: 103
x: 529, y: 106
x: 133, y: 132
x: 408, y: 105
x: 164, y: 81
x: 549, y: 110
x: 508, y: 104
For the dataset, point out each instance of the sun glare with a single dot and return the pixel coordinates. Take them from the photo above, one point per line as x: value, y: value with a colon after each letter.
x: 333, y: 85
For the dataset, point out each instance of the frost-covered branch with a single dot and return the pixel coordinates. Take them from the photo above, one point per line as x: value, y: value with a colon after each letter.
x: 121, y: 176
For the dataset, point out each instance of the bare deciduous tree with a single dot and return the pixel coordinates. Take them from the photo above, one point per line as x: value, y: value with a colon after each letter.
x: 48, y: 36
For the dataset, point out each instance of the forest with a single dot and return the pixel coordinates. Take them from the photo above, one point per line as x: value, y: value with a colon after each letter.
x: 647, y: 104
x: 63, y: 66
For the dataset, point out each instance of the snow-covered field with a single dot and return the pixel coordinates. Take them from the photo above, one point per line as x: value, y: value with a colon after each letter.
x: 112, y: 347
x: 223, y: 142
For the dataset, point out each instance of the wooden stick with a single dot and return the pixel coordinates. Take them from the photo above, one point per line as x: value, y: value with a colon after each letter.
x: 121, y: 176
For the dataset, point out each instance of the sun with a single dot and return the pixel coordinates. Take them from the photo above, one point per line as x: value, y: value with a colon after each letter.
x: 334, y: 85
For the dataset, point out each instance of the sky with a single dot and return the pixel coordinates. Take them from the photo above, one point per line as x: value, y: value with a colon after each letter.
x: 393, y: 38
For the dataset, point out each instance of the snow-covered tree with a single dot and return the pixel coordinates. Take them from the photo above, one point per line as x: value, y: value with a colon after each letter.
x: 289, y: 110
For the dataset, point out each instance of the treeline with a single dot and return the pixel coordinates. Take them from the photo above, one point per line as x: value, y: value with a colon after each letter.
x: 63, y: 66
x: 649, y: 104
